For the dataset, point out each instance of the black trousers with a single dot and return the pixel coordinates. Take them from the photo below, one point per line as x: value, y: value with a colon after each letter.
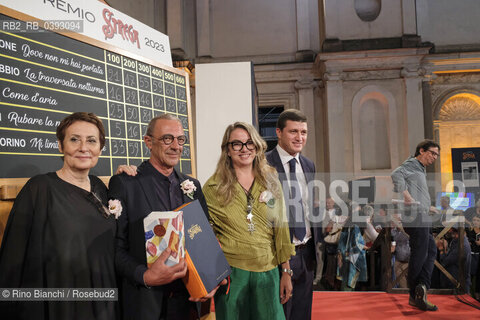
x: 299, y: 307
x: 422, y: 257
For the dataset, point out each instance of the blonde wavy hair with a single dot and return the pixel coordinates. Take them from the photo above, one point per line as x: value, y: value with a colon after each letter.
x: 264, y: 174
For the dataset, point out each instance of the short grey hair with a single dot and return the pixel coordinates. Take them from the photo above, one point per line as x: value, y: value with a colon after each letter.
x: 165, y: 116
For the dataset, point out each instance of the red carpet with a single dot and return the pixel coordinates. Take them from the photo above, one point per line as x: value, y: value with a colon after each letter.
x: 381, y: 305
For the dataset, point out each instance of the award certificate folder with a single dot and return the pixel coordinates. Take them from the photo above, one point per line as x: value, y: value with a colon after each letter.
x: 164, y: 229
x: 206, y: 263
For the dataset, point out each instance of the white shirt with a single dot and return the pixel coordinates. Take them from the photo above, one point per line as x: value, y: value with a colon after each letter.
x: 285, y: 157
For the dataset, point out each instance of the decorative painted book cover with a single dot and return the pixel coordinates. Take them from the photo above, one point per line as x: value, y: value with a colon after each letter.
x: 206, y: 263
x: 164, y: 229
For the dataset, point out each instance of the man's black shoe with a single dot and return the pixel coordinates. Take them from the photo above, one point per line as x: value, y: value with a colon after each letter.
x: 429, y: 306
x: 420, y: 300
x: 421, y: 296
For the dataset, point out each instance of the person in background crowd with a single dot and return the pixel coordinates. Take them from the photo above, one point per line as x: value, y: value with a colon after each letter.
x: 445, y: 204
x: 401, y: 253
x: 449, y: 260
x: 410, y: 179
x: 328, y: 214
x: 296, y: 171
x: 352, y: 263
x: 473, y: 235
x: 446, y: 212
x: 332, y: 234
x: 472, y: 211
x: 247, y: 213
x: 60, y: 234
x: 442, y: 245
x: 370, y: 233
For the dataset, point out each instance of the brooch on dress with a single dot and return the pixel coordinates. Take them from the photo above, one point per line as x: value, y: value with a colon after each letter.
x: 188, y: 188
x: 115, y: 208
x: 267, y: 197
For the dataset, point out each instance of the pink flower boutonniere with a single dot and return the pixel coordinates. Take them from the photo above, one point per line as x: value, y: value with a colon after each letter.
x: 267, y: 197
x: 188, y: 188
x: 115, y: 208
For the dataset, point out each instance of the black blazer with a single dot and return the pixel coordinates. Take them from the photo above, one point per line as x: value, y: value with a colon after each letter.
x: 308, y: 167
x: 138, y: 198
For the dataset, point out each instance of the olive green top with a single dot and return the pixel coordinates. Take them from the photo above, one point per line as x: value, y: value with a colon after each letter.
x: 263, y: 249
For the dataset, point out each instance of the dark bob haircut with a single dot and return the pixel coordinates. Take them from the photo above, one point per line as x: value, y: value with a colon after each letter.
x: 81, y: 116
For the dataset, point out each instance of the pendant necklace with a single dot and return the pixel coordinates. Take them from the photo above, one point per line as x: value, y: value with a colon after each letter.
x: 250, y: 200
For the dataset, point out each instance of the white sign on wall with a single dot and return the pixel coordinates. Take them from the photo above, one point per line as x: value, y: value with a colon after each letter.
x: 224, y: 95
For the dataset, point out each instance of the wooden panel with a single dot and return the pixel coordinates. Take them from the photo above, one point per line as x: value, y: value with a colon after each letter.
x: 9, y: 188
x: 9, y: 192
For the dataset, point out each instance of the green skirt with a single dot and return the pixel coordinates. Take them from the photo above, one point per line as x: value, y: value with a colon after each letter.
x: 252, y: 295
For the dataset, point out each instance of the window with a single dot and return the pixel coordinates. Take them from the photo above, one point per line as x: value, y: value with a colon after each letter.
x: 267, y: 124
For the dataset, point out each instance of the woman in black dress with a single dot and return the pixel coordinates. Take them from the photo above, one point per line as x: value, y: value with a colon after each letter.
x: 60, y: 234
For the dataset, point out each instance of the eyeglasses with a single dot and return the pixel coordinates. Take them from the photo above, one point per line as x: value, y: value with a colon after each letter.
x: 433, y: 153
x: 238, y: 145
x: 168, y: 139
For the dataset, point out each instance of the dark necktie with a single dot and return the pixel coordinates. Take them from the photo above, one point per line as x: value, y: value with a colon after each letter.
x: 299, y: 226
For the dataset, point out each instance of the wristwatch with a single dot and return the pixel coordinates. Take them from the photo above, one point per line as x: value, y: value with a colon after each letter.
x: 289, y: 271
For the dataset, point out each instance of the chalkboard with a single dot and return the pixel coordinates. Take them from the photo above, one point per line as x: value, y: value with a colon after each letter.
x: 44, y: 76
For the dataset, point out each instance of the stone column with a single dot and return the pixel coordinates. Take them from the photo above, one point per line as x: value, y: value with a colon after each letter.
x: 305, y: 89
x: 303, y: 28
x: 203, y: 29
x: 432, y: 130
x: 335, y: 121
x: 175, y: 26
x: 428, y: 106
x: 304, y: 44
x: 320, y: 127
x: 409, y: 15
x: 159, y: 16
x: 415, y: 126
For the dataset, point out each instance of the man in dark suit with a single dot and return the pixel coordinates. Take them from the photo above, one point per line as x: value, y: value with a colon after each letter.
x: 156, y: 292
x: 295, y: 171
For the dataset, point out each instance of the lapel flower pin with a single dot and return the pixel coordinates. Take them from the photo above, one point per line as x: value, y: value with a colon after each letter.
x: 267, y: 197
x: 188, y: 188
x: 115, y: 208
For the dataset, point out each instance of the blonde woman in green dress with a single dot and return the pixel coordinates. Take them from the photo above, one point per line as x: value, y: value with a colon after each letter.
x: 247, y: 212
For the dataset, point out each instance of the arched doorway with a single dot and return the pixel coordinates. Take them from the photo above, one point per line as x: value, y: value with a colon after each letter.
x: 457, y: 125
